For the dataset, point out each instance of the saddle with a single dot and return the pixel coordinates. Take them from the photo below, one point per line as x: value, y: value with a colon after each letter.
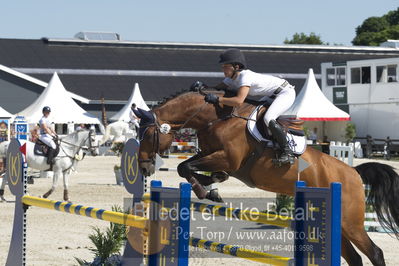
x: 41, y: 149
x: 293, y: 126
x: 294, y: 129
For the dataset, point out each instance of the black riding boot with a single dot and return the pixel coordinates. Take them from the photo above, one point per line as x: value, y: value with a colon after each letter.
x: 286, y: 156
x: 50, y: 157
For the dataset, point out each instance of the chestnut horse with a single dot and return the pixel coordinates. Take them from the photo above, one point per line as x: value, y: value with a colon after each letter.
x: 226, y: 149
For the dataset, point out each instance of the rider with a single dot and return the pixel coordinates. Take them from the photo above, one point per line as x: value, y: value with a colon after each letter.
x: 47, y: 134
x: 134, y: 119
x: 246, y: 82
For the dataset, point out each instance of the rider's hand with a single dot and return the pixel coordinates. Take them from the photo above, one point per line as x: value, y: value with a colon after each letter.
x: 196, y: 86
x: 211, y: 98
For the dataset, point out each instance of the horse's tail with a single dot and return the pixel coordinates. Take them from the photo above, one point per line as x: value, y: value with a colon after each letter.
x: 383, y: 193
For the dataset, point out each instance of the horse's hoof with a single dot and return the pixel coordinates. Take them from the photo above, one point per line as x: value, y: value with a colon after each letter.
x: 66, y: 196
x: 213, y: 195
x: 199, y: 191
x: 47, y: 194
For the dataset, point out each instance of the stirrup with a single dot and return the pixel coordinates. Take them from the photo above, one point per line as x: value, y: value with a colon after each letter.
x: 284, y: 158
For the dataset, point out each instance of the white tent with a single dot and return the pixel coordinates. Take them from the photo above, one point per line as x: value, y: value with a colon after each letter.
x: 312, y: 105
x: 135, y: 97
x: 63, y: 108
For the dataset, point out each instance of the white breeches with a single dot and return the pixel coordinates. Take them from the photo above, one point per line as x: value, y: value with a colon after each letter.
x: 282, y: 103
x: 135, y: 123
x: 48, y: 140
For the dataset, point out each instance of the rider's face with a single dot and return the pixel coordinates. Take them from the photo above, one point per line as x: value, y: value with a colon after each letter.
x: 46, y: 114
x: 228, y: 70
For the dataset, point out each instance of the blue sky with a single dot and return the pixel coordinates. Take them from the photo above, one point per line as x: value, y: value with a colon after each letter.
x: 217, y: 21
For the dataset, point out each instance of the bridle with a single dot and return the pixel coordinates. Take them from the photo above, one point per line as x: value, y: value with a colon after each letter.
x: 158, y: 128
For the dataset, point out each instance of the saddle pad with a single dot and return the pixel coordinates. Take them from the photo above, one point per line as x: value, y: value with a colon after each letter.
x: 38, y: 150
x: 296, y: 143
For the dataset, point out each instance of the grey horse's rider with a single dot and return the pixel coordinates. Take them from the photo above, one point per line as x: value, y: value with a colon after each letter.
x: 47, y: 134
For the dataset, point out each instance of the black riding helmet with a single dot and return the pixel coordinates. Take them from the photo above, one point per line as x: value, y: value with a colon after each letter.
x: 46, y: 109
x: 233, y: 56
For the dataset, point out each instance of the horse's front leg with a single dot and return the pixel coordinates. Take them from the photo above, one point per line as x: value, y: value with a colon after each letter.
x: 184, y: 170
x: 56, y: 174
x: 3, y: 184
x: 215, y: 163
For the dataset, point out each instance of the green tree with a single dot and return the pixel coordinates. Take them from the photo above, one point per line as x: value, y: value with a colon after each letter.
x: 375, y: 30
x: 350, y: 132
x: 393, y: 17
x: 302, y: 38
x: 373, y: 24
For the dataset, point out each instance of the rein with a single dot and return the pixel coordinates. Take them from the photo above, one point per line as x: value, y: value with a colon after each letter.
x: 90, y: 148
x: 157, y: 131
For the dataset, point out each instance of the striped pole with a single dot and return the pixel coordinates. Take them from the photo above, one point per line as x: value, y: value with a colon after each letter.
x: 240, y: 252
x: 163, y: 169
x: 191, y: 144
x: 101, y: 214
x: 244, y: 215
x: 176, y: 156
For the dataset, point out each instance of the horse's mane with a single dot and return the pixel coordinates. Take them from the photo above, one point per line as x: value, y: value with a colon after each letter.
x: 172, y: 96
x: 187, y: 91
x: 73, y: 135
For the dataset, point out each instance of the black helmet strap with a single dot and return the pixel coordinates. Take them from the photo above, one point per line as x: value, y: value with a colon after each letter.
x: 235, y: 71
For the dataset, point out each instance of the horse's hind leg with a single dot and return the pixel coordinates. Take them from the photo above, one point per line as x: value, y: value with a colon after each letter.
x: 353, y: 229
x: 358, y: 236
x: 66, y: 183
x: 349, y: 253
x: 48, y: 193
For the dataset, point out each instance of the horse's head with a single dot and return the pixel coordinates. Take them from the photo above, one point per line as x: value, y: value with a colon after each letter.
x: 91, y: 143
x: 157, y: 128
x: 154, y: 138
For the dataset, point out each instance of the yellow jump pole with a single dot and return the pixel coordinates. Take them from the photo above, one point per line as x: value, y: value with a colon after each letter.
x: 233, y: 213
x: 101, y: 214
x: 244, y: 215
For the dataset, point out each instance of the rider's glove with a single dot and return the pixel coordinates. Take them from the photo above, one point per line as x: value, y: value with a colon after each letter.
x: 212, y: 98
x: 196, y: 86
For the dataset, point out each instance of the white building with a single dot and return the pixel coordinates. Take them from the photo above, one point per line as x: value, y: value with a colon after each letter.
x: 369, y: 91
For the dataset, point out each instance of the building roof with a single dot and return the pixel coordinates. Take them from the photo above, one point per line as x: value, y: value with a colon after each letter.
x: 63, y: 108
x: 37, y: 82
x: 93, y: 69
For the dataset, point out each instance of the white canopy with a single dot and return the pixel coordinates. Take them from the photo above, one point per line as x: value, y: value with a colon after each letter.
x: 311, y: 104
x: 4, y: 113
x: 135, y: 97
x: 63, y: 108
